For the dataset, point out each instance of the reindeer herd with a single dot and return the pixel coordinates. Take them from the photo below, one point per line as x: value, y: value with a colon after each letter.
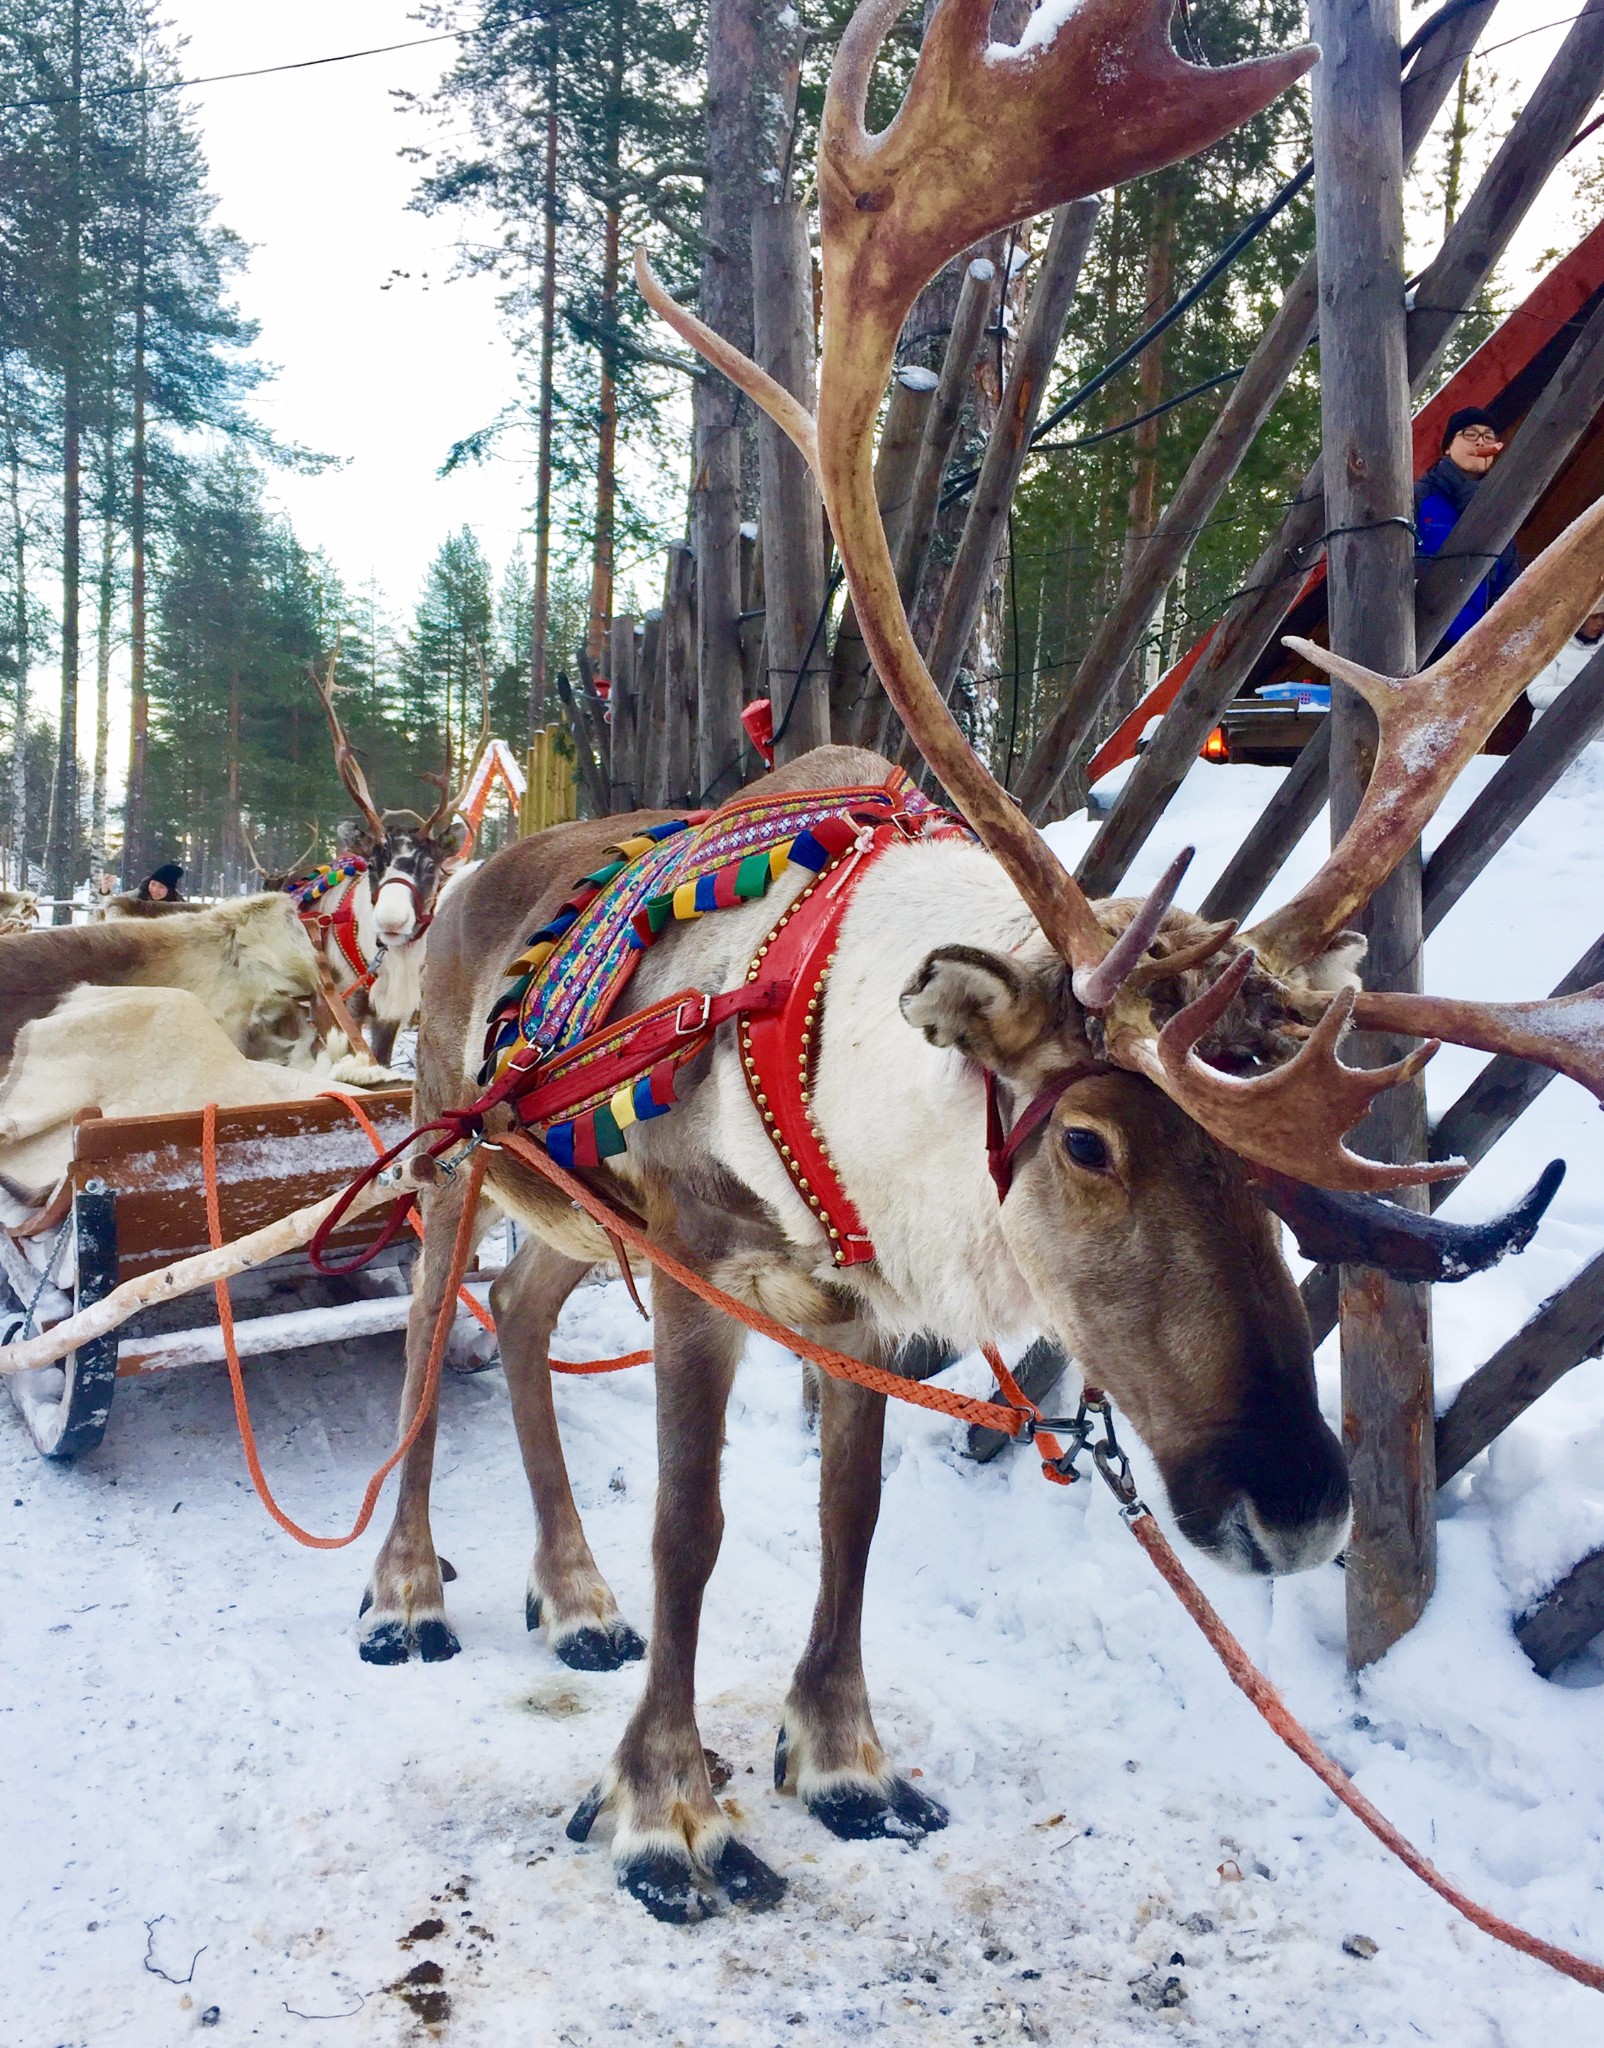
x: 1158, y: 1089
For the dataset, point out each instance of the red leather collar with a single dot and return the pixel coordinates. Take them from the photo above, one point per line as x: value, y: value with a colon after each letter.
x: 778, y: 1047
x: 341, y: 921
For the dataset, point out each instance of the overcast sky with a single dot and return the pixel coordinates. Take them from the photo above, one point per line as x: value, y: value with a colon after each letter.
x: 306, y: 169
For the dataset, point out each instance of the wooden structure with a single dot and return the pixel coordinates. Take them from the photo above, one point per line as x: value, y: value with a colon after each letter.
x: 1507, y: 375
x: 133, y: 1200
x: 548, y: 793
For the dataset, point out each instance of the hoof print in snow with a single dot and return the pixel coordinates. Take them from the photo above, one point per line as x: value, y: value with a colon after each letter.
x: 394, y: 1642
x: 583, y: 1817
x: 745, y: 1878
x: 421, y: 1989
x: 666, y: 1886
x: 1158, y: 1994
x: 863, y: 1813
x: 600, y: 1649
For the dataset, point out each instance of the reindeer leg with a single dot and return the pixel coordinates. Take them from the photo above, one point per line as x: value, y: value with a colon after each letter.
x: 583, y: 1625
x: 405, y: 1603
x: 672, y: 1840
x: 828, y: 1751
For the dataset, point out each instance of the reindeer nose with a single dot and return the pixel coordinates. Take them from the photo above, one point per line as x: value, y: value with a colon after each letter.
x: 1266, y: 1500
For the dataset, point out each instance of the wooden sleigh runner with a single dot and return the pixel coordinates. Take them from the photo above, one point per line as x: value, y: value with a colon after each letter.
x: 133, y: 1201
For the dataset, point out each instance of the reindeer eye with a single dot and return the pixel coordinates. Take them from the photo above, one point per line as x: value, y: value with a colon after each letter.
x: 1086, y: 1148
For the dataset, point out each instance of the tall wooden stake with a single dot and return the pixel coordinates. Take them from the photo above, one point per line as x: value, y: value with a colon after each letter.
x: 541, y: 608
x: 793, y: 521
x: 1386, y: 1326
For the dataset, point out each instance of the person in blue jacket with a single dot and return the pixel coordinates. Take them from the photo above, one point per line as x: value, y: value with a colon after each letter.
x: 1471, y: 444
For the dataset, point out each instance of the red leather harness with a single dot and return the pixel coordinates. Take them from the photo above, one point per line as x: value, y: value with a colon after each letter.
x: 341, y: 923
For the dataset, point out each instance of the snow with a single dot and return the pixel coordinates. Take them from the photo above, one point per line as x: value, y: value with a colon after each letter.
x: 197, y: 1766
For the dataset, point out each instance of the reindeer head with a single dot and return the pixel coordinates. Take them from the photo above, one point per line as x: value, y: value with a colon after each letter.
x: 408, y: 856
x: 1167, y: 1081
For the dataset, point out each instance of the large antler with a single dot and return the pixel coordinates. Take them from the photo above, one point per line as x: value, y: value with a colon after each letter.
x: 345, y: 760
x: 986, y: 136
x: 451, y: 800
x: 1431, y: 725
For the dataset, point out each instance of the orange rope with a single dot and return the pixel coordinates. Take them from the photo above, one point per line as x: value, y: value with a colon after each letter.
x: 431, y: 1378
x: 1246, y: 1676
x: 476, y: 1309
x: 988, y: 1414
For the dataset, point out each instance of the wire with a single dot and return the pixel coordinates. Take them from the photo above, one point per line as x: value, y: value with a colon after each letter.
x: 1564, y: 21
x: 116, y: 92
x: 1137, y: 419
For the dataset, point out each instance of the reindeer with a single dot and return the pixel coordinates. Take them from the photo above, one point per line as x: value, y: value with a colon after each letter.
x: 372, y: 935
x: 1159, y: 1087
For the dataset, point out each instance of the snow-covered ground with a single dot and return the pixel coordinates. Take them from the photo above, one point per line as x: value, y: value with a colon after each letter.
x: 195, y: 1767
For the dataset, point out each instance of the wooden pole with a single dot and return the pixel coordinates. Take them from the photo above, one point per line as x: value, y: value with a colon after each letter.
x: 622, y: 778
x: 857, y: 704
x: 580, y: 726
x: 1009, y: 444
x: 911, y: 549
x: 1386, y: 1324
x: 793, y: 522
x: 1568, y: 1615
x: 679, y: 677
x: 1566, y: 1329
x: 185, y: 1276
x: 1478, y: 239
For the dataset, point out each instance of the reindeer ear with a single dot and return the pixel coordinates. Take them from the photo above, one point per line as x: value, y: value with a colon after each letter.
x: 986, y: 1004
x: 352, y: 836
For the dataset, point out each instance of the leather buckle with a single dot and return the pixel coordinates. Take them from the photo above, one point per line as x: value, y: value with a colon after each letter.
x: 700, y: 1021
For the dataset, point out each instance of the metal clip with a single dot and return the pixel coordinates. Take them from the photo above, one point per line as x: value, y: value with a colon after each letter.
x: 448, y: 1167
x: 700, y: 1021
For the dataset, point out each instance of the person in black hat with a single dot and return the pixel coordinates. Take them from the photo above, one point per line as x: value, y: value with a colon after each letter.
x: 1471, y: 444
x: 161, y: 885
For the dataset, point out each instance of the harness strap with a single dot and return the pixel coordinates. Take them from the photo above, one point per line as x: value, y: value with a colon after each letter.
x: 961, y: 1407
x: 1003, y: 1148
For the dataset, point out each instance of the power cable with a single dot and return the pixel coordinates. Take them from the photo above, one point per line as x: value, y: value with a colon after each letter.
x: 116, y: 92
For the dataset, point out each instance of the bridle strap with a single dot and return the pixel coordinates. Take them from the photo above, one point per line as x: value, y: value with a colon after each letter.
x: 1003, y: 1148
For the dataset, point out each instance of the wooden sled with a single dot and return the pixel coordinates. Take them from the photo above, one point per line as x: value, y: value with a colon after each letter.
x: 133, y: 1199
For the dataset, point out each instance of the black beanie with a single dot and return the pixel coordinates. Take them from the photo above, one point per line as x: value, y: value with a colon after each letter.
x: 1469, y: 416
x: 170, y: 875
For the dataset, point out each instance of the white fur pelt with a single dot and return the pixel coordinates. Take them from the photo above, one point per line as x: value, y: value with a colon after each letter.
x: 131, y: 1052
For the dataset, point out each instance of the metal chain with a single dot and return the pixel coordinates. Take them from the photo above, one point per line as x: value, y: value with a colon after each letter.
x: 1108, y: 1454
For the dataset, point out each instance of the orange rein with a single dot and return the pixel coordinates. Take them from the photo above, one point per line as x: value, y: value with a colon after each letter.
x: 1018, y: 1417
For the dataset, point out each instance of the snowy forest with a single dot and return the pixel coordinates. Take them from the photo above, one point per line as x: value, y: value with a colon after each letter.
x: 138, y: 487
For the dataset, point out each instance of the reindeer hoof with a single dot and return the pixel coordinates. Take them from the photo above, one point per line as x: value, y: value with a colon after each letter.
x: 600, y: 1649
x: 666, y: 1886
x: 531, y: 1612
x: 865, y: 1813
x: 747, y: 1880
x: 435, y: 1642
x: 583, y: 1817
x: 396, y: 1642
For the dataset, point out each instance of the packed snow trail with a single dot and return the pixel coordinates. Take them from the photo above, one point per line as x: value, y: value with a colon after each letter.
x: 192, y: 1742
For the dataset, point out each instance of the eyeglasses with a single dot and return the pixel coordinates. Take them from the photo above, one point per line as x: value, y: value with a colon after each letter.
x: 1480, y: 437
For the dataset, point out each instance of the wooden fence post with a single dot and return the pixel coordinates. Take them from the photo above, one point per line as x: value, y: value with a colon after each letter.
x: 1365, y: 432
x: 679, y: 680
x: 624, y: 793
x: 793, y: 524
